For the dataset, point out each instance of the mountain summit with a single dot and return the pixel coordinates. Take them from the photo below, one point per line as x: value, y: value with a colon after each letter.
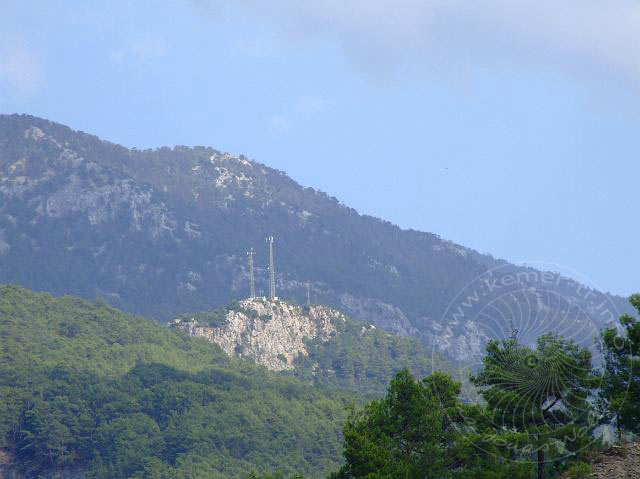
x: 165, y: 231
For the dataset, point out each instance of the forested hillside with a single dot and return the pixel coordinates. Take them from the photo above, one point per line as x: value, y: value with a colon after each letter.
x: 84, y: 386
x: 87, y: 387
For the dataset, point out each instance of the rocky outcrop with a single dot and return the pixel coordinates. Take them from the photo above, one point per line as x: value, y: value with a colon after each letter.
x: 273, y: 333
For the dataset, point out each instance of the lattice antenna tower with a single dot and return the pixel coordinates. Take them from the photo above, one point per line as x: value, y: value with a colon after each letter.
x: 308, y: 286
x: 272, y: 272
x: 252, y: 283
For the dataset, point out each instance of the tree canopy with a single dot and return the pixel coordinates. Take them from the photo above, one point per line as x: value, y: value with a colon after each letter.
x: 541, y: 394
x: 420, y: 430
x: 620, y: 393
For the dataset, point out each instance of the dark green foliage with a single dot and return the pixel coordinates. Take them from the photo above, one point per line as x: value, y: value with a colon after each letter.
x: 541, y: 394
x: 124, y: 397
x: 420, y: 430
x: 579, y: 470
x: 620, y: 392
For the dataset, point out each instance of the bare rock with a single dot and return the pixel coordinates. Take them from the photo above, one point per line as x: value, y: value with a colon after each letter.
x: 273, y: 333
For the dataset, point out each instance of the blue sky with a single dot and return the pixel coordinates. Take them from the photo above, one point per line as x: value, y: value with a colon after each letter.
x: 512, y: 127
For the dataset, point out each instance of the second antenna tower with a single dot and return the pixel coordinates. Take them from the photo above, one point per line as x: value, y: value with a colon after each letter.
x: 272, y: 273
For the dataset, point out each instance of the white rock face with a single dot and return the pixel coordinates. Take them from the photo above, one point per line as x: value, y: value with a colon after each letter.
x: 273, y: 333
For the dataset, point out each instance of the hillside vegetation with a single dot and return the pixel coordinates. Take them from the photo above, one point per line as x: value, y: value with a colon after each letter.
x: 84, y: 385
x: 363, y: 358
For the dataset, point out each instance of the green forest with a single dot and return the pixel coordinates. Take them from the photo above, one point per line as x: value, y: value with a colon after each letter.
x: 364, y: 359
x: 85, y: 387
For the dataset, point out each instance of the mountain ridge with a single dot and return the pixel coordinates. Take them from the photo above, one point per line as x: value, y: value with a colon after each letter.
x: 164, y: 231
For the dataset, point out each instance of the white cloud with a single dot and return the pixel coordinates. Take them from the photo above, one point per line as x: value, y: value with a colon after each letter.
x: 144, y: 47
x: 149, y: 47
x: 280, y: 123
x: 594, y: 36
x: 20, y: 70
x: 296, y: 113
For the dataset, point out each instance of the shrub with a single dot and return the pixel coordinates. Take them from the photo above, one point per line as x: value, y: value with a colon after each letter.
x: 579, y: 470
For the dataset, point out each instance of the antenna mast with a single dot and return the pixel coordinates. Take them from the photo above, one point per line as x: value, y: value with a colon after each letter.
x: 514, y: 330
x: 252, y: 284
x: 308, y: 286
x: 272, y: 273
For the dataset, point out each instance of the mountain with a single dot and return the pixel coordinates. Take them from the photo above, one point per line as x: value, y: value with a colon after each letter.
x: 165, y: 231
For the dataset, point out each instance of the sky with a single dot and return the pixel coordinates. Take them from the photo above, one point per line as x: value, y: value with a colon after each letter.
x: 508, y: 126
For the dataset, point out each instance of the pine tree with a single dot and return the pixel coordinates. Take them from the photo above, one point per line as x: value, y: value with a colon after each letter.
x: 540, y: 394
x: 620, y: 392
x: 421, y: 430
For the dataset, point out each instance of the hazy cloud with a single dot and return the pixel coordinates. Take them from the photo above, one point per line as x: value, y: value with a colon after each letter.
x: 144, y: 47
x: 20, y: 71
x: 578, y: 35
x: 299, y: 111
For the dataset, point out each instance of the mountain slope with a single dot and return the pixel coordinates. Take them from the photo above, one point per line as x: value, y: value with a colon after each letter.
x: 82, y: 384
x: 85, y: 387
x: 164, y: 231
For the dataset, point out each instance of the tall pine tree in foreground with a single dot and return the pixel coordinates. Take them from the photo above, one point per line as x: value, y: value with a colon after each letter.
x: 540, y: 394
x: 620, y: 393
x: 421, y: 430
